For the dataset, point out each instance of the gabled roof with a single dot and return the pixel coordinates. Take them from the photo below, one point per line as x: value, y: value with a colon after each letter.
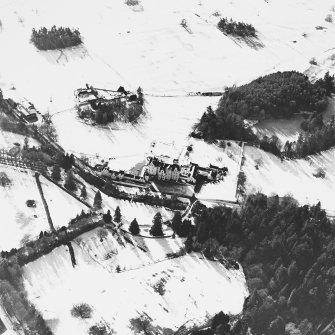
x: 175, y: 167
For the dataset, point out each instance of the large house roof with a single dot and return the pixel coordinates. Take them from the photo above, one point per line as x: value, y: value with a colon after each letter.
x: 163, y: 166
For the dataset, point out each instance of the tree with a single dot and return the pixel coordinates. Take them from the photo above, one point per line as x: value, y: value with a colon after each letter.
x: 182, y: 228
x: 107, y: 217
x: 156, y: 229
x: 97, y: 200
x: 55, y: 38
x: 117, y: 215
x: 220, y: 323
x: 83, y: 192
x: 141, y: 324
x: 277, y: 327
x: 100, y: 329
x: 293, y: 271
x: 320, y: 173
x: 70, y: 182
x: 99, y: 116
x: 241, y: 181
x: 329, y: 18
x: 102, y: 233
x: 176, y: 222
x: 134, y: 227
x: 111, y: 189
x: 47, y: 128
x: 140, y: 98
x: 83, y: 311
x: 26, y: 143
x: 56, y: 173
x: 258, y: 163
x: 4, y: 179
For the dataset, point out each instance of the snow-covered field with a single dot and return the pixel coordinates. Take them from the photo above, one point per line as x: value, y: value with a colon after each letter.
x: 18, y: 220
x: 9, y: 140
x: 288, y: 129
x: 143, y: 213
x: 149, y: 47
x: 194, y: 288
x: 284, y: 129
x: 293, y: 177
x: 167, y: 120
x: 229, y: 157
x: 62, y: 206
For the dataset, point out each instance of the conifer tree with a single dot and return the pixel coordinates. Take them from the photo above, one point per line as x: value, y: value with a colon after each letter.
x: 70, y: 182
x: 107, y: 217
x: 56, y: 172
x: 176, y: 222
x: 156, y: 229
x: 97, y: 200
x: 83, y: 193
x: 26, y: 143
x: 140, y: 98
x: 117, y: 215
x: 134, y: 227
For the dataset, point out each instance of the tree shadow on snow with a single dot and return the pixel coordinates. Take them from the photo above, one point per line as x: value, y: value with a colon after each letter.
x: 252, y: 42
x: 64, y: 56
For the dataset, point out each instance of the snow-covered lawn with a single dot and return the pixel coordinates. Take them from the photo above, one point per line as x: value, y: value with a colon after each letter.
x: 167, y: 120
x: 205, y: 154
x: 7, y: 140
x: 284, y: 129
x: 62, y: 206
x: 288, y: 129
x: 112, y: 250
x: 293, y: 177
x: 194, y: 289
x: 230, y: 157
x: 18, y: 220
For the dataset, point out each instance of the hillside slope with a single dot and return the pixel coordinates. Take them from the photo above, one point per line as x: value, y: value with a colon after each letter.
x: 148, y: 47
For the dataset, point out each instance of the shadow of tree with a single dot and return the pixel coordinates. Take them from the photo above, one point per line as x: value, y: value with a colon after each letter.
x: 252, y: 42
x: 63, y: 56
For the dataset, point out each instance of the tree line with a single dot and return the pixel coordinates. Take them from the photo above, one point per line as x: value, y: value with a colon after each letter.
x: 55, y: 38
x: 235, y: 28
x: 287, y: 252
x: 312, y: 141
x: 278, y: 95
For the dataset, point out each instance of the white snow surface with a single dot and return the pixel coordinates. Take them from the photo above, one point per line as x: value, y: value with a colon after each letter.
x: 62, y: 206
x: 294, y: 177
x: 230, y: 157
x: 7, y: 140
x: 167, y: 120
x: 147, y: 47
x: 18, y: 220
x: 151, y: 49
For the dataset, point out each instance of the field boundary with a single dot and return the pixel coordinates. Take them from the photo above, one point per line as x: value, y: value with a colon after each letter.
x: 45, y: 204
